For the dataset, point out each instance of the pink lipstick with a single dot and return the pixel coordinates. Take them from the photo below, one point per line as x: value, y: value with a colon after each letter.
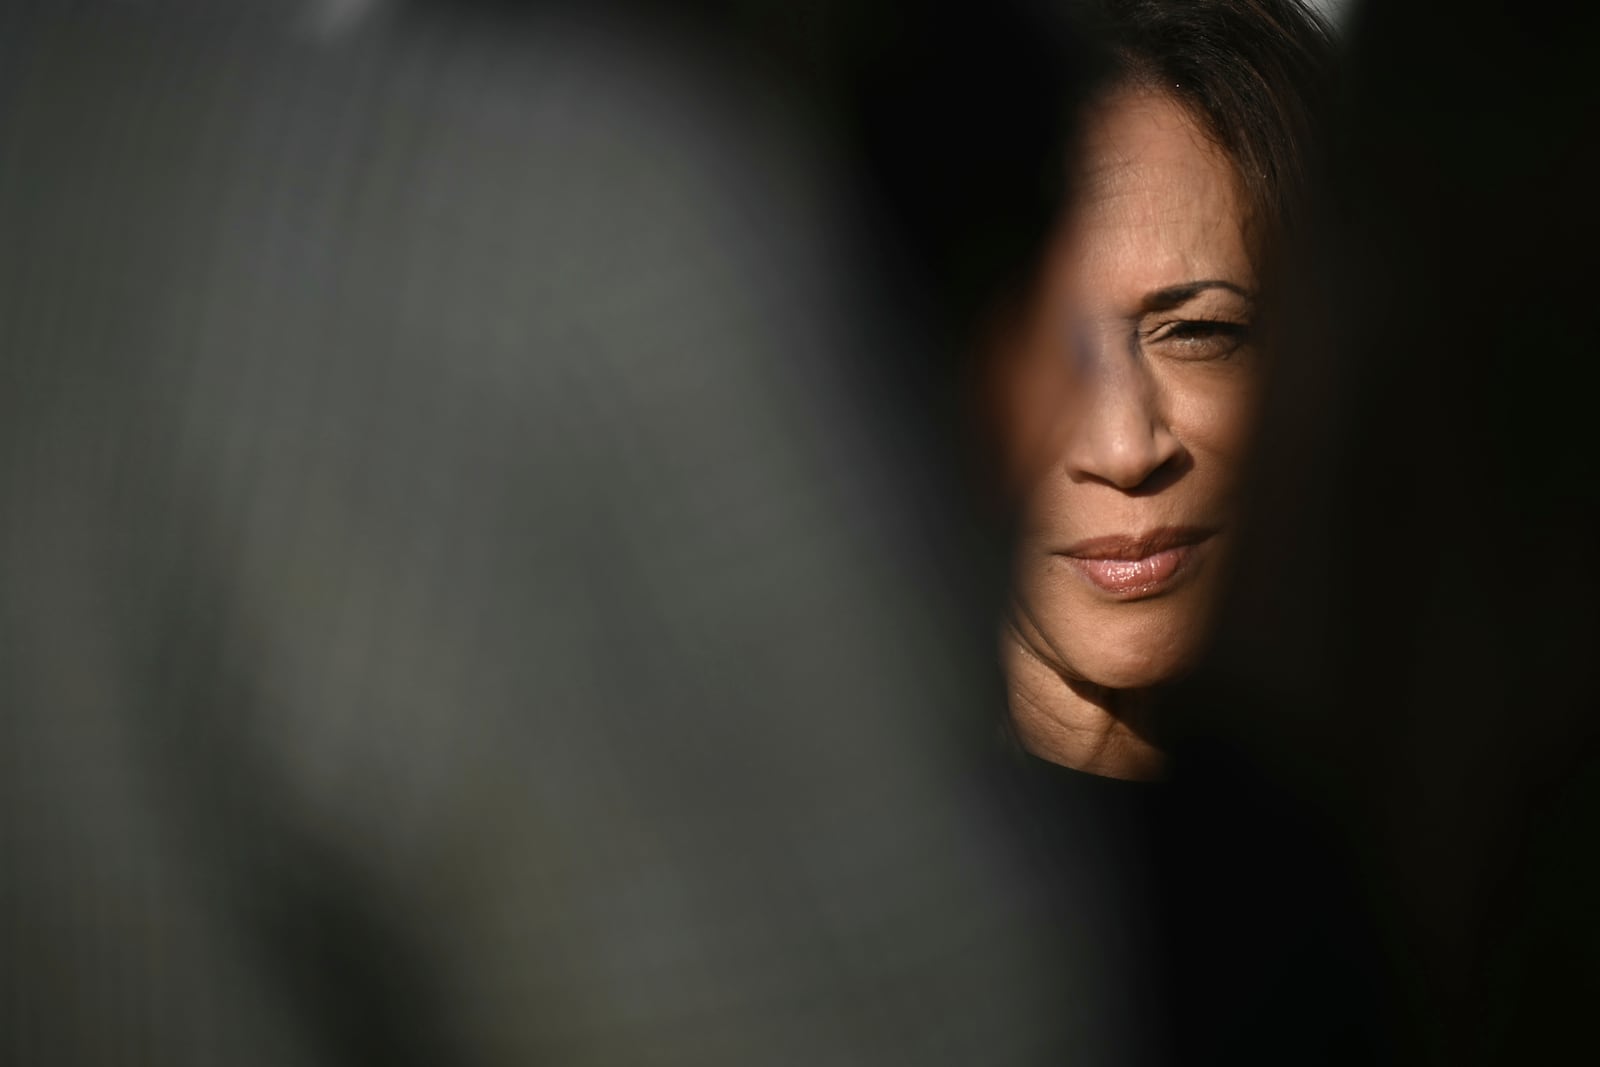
x: 1134, y: 567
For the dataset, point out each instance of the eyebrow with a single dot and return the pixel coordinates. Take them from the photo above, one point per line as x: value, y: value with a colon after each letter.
x: 1175, y: 295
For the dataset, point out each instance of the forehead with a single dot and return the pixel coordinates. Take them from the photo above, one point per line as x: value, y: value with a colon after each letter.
x: 1158, y: 204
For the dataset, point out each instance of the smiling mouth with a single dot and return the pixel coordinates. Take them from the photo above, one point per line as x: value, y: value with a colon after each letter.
x: 1135, y: 567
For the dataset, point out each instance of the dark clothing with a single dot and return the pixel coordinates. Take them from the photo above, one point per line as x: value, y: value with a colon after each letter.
x: 1083, y: 822
x: 1238, y: 935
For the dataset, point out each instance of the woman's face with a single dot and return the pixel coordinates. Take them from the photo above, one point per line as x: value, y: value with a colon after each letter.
x: 1150, y: 289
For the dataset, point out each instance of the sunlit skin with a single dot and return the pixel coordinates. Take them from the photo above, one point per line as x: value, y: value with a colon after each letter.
x: 1148, y: 295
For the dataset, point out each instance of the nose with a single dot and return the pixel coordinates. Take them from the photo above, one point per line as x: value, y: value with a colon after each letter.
x: 1121, y: 436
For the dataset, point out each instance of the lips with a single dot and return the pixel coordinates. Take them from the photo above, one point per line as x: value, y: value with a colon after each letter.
x: 1134, y: 567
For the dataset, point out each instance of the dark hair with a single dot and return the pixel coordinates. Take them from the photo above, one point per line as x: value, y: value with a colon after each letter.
x: 1255, y: 75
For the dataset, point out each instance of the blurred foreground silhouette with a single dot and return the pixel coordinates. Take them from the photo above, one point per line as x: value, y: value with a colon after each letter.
x: 475, y: 591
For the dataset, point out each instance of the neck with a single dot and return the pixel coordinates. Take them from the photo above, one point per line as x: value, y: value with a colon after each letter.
x: 1075, y: 723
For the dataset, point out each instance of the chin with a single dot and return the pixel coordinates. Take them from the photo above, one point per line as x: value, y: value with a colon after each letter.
x: 1137, y: 656
x: 1121, y: 669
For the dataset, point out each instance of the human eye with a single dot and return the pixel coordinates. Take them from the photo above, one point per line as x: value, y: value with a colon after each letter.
x: 1200, y: 338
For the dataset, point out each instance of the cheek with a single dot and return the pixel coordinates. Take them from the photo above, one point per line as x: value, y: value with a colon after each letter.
x: 1046, y: 509
x: 1212, y: 409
